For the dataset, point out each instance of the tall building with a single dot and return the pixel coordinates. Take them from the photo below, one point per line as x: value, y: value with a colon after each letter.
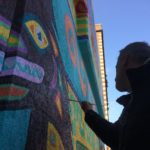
x: 100, y: 43
x: 99, y: 34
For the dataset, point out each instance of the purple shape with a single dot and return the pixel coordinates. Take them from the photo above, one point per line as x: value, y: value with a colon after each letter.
x: 5, y: 20
x: 54, y: 79
x: 22, y: 68
x: 3, y: 43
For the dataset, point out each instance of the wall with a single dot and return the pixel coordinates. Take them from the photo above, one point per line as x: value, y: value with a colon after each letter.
x: 43, y: 67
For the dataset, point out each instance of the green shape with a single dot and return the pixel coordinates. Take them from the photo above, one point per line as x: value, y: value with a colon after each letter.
x: 5, y: 25
x: 82, y: 21
x: 80, y: 146
x: 82, y: 30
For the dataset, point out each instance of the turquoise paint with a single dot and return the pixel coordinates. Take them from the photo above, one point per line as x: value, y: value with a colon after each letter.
x: 14, y: 127
x: 87, y: 58
x: 71, y: 70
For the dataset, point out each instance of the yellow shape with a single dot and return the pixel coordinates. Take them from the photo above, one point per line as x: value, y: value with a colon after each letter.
x: 54, y: 141
x: 80, y: 130
x: 4, y: 32
x: 37, y: 33
x: 54, y: 45
x: 58, y: 103
x: 82, y: 33
x: 82, y: 26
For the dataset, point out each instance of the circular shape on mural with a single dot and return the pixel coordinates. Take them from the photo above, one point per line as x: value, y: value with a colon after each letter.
x: 37, y: 34
x: 71, y: 39
x: 35, y: 29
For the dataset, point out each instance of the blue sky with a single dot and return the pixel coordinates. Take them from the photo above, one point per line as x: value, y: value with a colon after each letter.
x: 123, y: 21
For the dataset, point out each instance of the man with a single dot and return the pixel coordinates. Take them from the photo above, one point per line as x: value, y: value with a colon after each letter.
x: 132, y: 130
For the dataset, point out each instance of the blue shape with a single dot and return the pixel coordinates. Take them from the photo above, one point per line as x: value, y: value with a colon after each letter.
x: 2, y: 55
x: 13, y: 129
x: 39, y: 36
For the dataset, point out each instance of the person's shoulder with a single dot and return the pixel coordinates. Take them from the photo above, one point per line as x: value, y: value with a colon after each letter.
x: 140, y: 77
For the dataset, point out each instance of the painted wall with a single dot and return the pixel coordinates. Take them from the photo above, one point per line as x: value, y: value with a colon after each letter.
x: 45, y: 51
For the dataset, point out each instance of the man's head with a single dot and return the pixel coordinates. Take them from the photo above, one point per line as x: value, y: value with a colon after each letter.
x: 132, y: 56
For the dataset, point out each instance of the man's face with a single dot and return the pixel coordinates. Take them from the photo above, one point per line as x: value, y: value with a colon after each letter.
x: 122, y: 83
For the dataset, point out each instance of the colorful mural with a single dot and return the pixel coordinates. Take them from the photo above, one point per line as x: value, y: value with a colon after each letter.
x: 36, y: 32
x: 88, y: 47
x: 54, y: 141
x: 44, y: 75
x: 83, y: 138
x: 10, y: 39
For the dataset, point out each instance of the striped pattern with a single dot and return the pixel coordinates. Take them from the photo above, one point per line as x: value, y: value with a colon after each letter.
x: 4, y: 30
x: 82, y: 21
x: 82, y: 26
x: 15, y: 42
x: 10, y: 38
x: 11, y: 92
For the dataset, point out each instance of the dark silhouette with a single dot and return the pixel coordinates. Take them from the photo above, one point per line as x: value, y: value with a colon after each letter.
x: 132, y: 130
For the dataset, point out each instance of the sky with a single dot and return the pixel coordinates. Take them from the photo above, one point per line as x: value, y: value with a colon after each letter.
x: 123, y: 22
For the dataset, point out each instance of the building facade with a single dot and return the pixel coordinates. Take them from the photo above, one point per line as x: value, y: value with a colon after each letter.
x: 101, y: 52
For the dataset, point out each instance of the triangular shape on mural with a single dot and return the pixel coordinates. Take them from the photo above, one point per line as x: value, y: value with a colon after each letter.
x: 32, y: 28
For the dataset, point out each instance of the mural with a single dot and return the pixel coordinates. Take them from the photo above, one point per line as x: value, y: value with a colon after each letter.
x: 54, y: 141
x: 2, y: 55
x: 36, y: 32
x: 83, y: 137
x: 44, y: 75
x: 10, y: 39
x: 88, y: 47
